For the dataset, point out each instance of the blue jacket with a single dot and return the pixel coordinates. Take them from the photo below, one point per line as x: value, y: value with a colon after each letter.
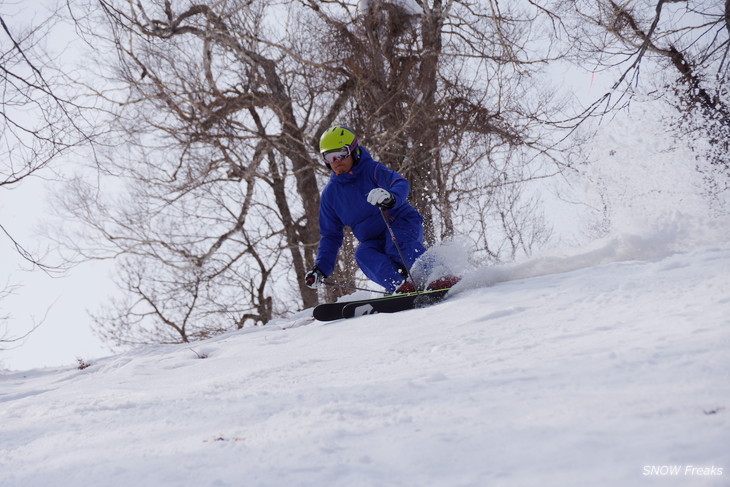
x: 344, y: 203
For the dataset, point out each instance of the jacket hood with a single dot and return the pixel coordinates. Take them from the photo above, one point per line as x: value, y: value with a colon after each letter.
x: 357, y: 168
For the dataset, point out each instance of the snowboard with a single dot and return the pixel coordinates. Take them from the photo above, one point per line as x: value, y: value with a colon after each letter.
x: 387, y: 304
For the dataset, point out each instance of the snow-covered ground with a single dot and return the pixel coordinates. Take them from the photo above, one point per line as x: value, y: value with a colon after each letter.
x: 606, y: 368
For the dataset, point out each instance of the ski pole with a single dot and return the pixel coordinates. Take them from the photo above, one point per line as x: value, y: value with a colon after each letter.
x: 355, y: 288
x: 397, y: 247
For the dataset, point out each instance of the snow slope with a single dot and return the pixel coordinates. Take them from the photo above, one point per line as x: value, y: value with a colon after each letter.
x: 608, y: 368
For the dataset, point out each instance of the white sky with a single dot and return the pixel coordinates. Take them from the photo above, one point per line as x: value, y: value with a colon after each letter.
x: 65, y: 333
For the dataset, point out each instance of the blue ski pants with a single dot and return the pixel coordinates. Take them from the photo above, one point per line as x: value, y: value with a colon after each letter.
x: 379, y: 259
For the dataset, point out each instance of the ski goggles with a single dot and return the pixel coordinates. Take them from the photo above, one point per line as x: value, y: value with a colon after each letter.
x: 336, y: 155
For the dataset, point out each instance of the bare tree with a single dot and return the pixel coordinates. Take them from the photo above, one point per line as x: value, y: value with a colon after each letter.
x: 210, y: 197
x: 29, y: 143
x: 220, y: 184
x: 683, y: 48
x: 41, y: 118
x: 441, y: 90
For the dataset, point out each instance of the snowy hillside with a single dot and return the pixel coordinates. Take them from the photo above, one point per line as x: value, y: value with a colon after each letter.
x: 597, y: 369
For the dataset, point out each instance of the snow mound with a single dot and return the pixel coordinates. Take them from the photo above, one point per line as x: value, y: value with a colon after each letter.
x: 653, y: 240
x: 601, y: 369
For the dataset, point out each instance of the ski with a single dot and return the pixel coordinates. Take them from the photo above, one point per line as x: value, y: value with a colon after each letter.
x: 399, y: 303
x: 387, y: 304
x: 333, y: 311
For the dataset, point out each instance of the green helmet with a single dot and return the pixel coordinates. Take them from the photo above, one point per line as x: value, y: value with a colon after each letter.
x: 337, y: 138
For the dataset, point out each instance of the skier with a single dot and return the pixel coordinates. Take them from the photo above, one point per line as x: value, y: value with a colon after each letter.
x: 358, y: 190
